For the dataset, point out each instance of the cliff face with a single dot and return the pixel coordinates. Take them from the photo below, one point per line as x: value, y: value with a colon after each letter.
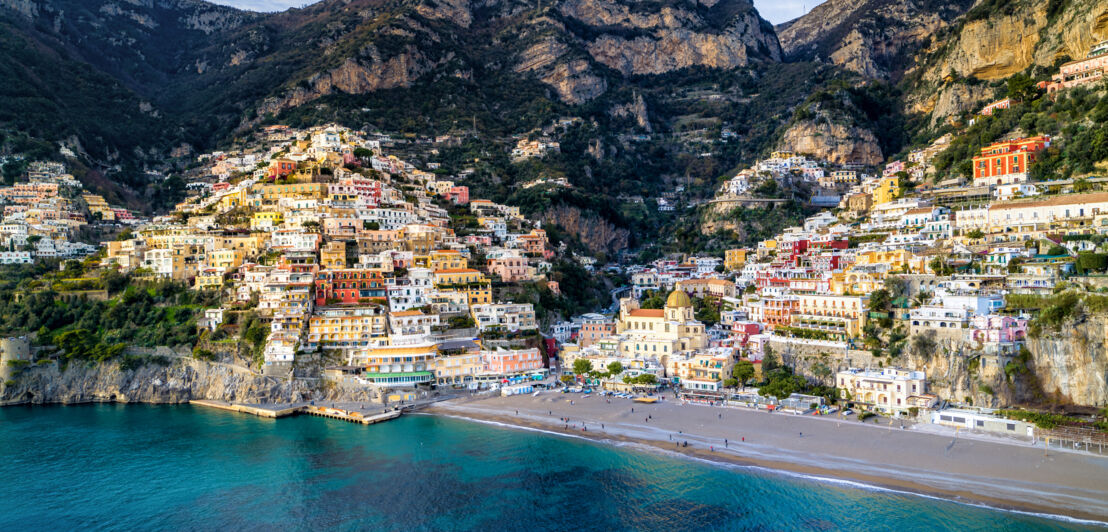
x: 204, y: 52
x: 1072, y: 364
x: 723, y: 35
x: 994, y: 45
x: 832, y: 142
x: 871, y: 37
x: 1067, y: 368
x: 184, y: 379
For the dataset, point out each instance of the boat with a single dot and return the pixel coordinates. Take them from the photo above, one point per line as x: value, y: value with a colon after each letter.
x: 648, y: 400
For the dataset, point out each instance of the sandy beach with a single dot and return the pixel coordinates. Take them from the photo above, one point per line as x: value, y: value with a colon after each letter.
x: 1002, y: 473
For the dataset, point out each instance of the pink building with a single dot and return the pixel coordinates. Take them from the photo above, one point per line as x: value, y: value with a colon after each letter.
x: 999, y: 104
x: 508, y: 362
x: 459, y: 195
x: 594, y: 328
x: 478, y: 240
x: 510, y: 269
x: 995, y: 329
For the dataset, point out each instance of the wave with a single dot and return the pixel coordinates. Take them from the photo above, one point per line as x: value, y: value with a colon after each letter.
x: 854, y: 484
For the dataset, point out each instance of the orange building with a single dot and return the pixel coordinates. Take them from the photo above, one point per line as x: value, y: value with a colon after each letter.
x: 281, y: 168
x: 1009, y: 157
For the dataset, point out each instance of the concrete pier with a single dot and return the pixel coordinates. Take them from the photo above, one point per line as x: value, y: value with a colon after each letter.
x: 352, y: 414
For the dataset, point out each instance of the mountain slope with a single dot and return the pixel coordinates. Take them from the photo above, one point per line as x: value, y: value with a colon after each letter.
x: 996, y: 40
x: 875, y: 38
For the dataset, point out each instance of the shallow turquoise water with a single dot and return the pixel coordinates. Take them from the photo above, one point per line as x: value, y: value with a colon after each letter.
x: 131, y: 467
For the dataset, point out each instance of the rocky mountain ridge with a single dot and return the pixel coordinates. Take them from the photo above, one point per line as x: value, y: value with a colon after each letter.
x: 874, y: 38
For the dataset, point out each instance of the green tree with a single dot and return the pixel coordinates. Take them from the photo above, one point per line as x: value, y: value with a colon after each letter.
x: 582, y: 366
x: 743, y: 371
x: 769, y: 361
x: 1022, y: 88
x: 615, y: 368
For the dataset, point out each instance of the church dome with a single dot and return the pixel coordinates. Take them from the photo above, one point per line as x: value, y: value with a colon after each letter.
x: 678, y: 299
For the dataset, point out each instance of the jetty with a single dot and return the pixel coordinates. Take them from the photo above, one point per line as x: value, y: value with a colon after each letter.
x: 352, y: 413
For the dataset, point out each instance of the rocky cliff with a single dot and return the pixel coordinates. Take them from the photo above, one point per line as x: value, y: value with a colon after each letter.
x: 994, y: 43
x: 634, y: 41
x: 181, y: 380
x: 1057, y: 368
x: 834, y: 142
x: 1072, y: 364
x: 874, y: 38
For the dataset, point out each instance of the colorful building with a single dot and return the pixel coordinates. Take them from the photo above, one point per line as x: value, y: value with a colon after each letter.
x: 1008, y: 157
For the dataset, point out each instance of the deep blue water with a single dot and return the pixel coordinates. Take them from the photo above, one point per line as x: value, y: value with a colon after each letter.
x: 128, y: 467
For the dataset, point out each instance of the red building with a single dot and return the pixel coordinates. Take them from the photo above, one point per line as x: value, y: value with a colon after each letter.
x: 281, y: 168
x: 1009, y: 157
x: 348, y: 286
x: 458, y: 195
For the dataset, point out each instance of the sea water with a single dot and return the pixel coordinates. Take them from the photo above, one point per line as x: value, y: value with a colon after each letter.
x: 140, y: 467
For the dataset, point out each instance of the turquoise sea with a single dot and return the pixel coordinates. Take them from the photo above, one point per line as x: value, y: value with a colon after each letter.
x: 138, y: 467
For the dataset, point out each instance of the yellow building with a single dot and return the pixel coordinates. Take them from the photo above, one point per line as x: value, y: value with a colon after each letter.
x: 659, y: 333
x: 458, y: 369
x: 398, y: 365
x: 233, y: 200
x: 265, y: 220
x: 332, y: 255
x: 225, y: 260
x: 856, y: 282
x: 840, y: 317
x: 209, y: 279
x: 734, y: 259
x: 346, y: 328
x: 269, y: 194
x: 703, y: 372
x: 442, y: 259
x: 98, y: 205
x: 887, y: 190
x: 476, y: 286
x: 897, y: 260
x: 249, y: 244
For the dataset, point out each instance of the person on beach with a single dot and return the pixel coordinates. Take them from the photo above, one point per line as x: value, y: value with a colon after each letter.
x: 725, y: 442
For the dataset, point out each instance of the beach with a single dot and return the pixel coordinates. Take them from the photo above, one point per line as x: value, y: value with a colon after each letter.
x: 923, y: 459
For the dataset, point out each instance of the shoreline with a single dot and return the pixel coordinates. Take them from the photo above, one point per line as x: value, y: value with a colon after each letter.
x: 992, y: 494
x: 498, y: 411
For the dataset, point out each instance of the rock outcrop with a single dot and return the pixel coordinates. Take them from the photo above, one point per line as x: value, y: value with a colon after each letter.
x: 832, y: 142
x: 356, y: 76
x: 871, y: 37
x: 1071, y: 364
x: 182, y: 380
x: 727, y: 34
x: 995, y: 45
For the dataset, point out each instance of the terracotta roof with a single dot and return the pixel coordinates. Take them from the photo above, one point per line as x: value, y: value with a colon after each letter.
x: 1071, y: 199
x: 921, y: 210
x: 648, y: 313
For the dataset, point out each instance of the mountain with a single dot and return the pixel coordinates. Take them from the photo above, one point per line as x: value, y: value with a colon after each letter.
x: 875, y: 38
x: 193, y: 58
x: 996, y: 39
